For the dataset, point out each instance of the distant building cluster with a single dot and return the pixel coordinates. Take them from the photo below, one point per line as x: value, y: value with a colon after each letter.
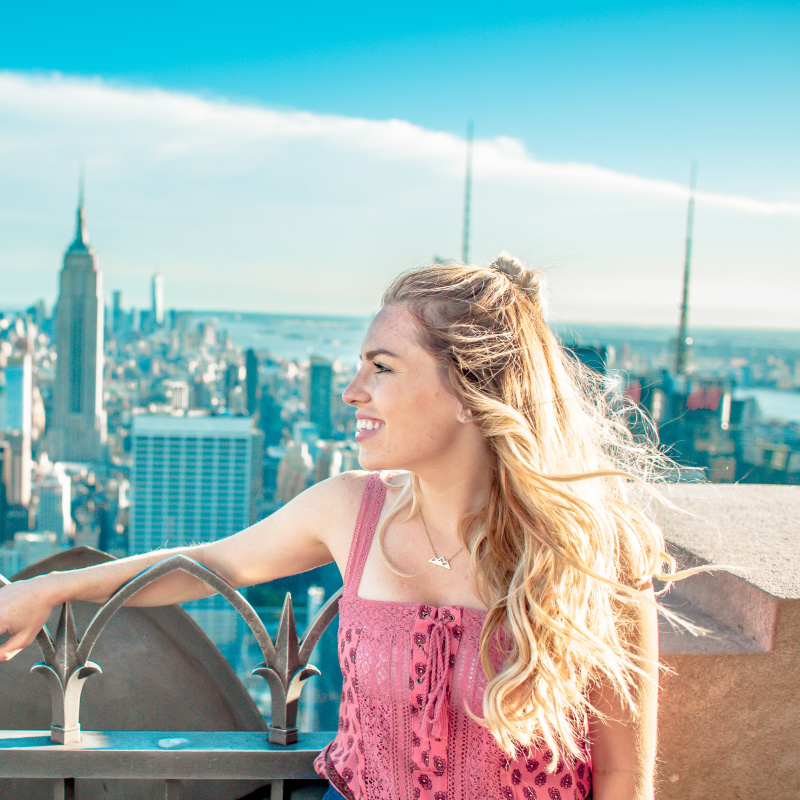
x: 700, y: 417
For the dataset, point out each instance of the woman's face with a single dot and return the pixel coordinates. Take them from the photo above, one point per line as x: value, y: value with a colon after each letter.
x: 406, y: 417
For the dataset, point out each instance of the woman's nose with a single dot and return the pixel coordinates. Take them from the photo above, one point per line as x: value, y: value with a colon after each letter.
x: 354, y: 393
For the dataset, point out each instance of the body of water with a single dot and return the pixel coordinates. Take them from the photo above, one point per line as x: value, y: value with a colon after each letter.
x: 292, y: 337
x: 772, y: 403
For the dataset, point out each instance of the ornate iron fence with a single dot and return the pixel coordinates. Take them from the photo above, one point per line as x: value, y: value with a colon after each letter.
x: 68, y: 753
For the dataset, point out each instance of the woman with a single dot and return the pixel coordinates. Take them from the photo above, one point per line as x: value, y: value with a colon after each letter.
x: 498, y: 635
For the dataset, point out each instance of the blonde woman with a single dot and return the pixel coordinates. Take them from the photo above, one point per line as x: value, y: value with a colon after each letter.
x: 498, y: 633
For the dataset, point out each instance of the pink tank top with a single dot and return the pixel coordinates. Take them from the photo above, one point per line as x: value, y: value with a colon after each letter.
x: 409, y: 670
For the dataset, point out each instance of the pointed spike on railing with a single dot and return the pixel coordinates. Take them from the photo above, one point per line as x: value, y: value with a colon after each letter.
x: 287, y: 643
x: 65, y: 672
x: 290, y: 669
x: 66, y: 645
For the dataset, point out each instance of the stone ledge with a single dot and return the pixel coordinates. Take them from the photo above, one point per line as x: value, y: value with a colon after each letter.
x: 752, y: 533
x: 752, y: 528
x: 714, y: 638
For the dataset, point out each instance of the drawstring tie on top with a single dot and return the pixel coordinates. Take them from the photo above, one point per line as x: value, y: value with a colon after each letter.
x: 434, y: 712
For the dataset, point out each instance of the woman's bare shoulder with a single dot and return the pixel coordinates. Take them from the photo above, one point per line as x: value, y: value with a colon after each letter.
x: 345, y: 486
x: 354, y: 482
x: 334, y: 502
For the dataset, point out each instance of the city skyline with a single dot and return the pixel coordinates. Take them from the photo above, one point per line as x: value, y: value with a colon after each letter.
x: 269, y: 173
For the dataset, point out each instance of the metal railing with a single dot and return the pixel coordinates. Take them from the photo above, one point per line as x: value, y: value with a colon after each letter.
x: 68, y: 753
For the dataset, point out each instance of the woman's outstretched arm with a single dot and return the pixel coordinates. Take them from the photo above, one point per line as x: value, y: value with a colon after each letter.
x: 311, y: 530
x: 623, y: 747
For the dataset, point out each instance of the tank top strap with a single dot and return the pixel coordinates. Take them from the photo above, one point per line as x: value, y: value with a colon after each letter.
x: 366, y: 522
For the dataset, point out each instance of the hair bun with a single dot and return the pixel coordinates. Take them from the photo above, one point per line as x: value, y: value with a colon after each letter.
x: 515, y: 270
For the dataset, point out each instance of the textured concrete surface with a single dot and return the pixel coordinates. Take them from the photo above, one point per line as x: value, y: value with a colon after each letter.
x: 753, y: 528
x: 729, y: 709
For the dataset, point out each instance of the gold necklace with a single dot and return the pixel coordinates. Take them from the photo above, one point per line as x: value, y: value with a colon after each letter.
x: 440, y: 561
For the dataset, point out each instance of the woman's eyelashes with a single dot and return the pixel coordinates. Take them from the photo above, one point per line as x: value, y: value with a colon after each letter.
x: 379, y: 367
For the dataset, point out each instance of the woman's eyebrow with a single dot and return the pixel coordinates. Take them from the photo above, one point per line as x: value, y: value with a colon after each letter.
x: 371, y: 354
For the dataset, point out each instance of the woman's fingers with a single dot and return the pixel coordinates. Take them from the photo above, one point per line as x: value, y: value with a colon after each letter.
x: 22, y: 615
x: 19, y: 641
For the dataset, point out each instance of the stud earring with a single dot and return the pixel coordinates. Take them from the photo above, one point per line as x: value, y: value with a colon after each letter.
x: 466, y: 415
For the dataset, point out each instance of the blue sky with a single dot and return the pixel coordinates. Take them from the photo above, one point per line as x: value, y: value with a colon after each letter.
x: 333, y: 191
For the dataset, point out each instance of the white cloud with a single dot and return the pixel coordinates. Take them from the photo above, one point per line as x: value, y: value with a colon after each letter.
x: 249, y: 207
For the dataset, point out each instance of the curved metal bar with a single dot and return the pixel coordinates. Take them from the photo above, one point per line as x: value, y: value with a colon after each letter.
x: 318, y: 626
x: 43, y: 638
x: 178, y: 563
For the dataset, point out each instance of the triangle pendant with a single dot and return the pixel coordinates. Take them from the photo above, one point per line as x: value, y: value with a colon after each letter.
x: 440, y: 561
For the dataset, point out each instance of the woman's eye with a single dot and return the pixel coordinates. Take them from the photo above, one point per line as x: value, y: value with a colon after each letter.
x: 381, y: 367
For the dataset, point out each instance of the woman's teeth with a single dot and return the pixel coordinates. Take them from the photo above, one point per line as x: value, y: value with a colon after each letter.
x: 368, y: 425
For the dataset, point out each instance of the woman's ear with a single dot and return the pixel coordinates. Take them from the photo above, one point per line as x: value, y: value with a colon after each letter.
x: 465, y: 415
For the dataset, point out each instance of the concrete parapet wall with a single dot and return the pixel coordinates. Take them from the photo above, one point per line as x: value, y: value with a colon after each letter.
x: 729, y: 712
x: 731, y: 600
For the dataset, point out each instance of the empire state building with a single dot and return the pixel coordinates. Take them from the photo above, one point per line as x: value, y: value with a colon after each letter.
x: 78, y: 431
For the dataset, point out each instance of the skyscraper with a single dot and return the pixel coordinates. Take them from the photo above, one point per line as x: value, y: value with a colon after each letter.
x: 19, y: 394
x: 191, y: 482
x: 17, y: 465
x: 320, y: 386
x: 78, y: 429
x: 251, y: 380
x: 117, y: 313
x: 190, y: 479
x: 53, y: 513
x: 232, y: 388
x: 157, y: 291
x: 269, y: 412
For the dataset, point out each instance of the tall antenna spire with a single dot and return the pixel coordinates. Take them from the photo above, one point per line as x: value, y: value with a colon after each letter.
x: 682, y: 343
x: 81, y: 234
x: 467, y: 193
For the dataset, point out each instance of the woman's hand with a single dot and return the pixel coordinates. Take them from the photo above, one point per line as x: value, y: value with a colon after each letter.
x: 24, y: 609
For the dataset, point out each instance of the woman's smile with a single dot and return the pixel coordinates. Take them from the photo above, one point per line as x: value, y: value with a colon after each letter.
x: 366, y: 428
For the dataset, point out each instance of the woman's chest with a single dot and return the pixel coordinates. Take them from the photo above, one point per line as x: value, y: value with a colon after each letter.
x: 418, y: 579
x: 398, y: 653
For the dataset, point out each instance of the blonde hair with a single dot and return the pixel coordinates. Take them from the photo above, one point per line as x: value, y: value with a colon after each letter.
x: 561, y: 548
